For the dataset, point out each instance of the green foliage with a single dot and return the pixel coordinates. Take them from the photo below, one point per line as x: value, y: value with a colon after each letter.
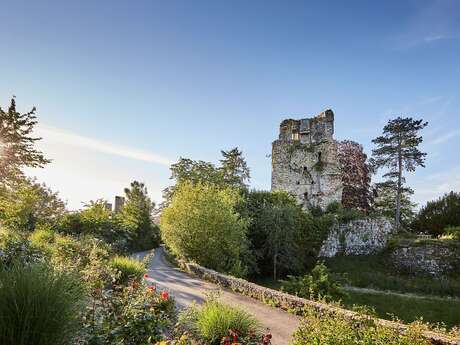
x: 212, y: 321
x: 38, y: 306
x: 324, y: 329
x: 135, y: 217
x: 233, y: 173
x: 127, y: 269
x: 277, y: 232
x: 439, y: 214
x: 26, y: 204
x: 234, y: 168
x: 453, y: 231
x: 319, y: 285
x: 202, y: 224
x: 15, y: 247
x: 130, y: 315
x: 385, y: 202
x: 17, y: 143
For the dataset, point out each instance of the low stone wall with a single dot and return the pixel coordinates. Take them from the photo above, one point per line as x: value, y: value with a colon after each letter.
x: 292, y: 303
x: 435, y: 259
x: 358, y: 237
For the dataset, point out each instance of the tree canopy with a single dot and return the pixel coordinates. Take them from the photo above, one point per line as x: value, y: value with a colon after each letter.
x: 17, y: 144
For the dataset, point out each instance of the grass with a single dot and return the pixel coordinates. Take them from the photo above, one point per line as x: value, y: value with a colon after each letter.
x: 213, y: 320
x: 38, y: 306
x: 128, y: 269
x: 408, y: 308
x: 374, y: 272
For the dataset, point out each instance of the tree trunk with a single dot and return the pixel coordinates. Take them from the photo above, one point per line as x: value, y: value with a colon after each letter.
x: 274, y: 266
x: 398, y: 190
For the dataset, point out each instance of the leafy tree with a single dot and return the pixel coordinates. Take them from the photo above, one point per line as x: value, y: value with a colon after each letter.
x: 202, y: 224
x: 25, y: 204
x: 397, y: 150
x: 233, y: 172
x: 439, y: 214
x: 17, y: 143
x: 136, y: 216
x: 385, y: 202
x: 356, y: 176
x: 234, y: 168
x: 276, y: 232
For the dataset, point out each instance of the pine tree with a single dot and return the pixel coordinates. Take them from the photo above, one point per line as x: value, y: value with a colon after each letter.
x: 397, y: 150
x: 16, y: 143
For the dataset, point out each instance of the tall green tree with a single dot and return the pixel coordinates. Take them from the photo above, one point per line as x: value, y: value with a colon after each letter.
x: 234, y: 168
x: 397, y: 149
x: 385, y: 202
x: 202, y: 224
x: 136, y: 216
x: 17, y: 144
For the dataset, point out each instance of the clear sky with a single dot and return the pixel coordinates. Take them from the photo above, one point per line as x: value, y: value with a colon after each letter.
x: 123, y: 88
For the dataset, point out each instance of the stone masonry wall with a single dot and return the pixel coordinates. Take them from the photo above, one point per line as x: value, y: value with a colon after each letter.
x: 305, y: 162
x: 357, y: 237
x: 433, y: 259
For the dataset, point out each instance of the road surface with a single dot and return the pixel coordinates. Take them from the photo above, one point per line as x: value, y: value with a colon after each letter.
x: 186, y: 288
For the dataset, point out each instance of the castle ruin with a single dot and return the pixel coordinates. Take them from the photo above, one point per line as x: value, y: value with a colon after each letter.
x: 305, y: 161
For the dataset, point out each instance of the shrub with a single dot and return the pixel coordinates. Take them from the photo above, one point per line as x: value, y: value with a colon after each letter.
x: 453, y: 231
x: 317, y: 285
x: 132, y: 315
x: 437, y: 215
x: 202, y: 224
x: 212, y: 322
x: 38, y: 306
x: 15, y: 247
x: 326, y: 329
x: 127, y: 269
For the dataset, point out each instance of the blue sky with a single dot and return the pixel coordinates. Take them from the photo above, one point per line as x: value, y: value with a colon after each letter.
x: 123, y: 88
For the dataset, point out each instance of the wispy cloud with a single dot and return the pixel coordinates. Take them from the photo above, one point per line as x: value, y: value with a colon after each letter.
x: 73, y: 139
x: 445, y: 137
x: 431, y: 22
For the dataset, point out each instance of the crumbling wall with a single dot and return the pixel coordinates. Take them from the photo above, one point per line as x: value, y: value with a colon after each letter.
x: 305, y: 162
x: 358, y: 237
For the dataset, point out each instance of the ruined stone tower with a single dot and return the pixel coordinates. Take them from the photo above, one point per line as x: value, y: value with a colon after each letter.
x: 305, y: 162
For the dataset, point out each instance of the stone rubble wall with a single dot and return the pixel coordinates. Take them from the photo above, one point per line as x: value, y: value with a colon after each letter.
x: 358, y: 237
x: 292, y: 303
x: 433, y: 259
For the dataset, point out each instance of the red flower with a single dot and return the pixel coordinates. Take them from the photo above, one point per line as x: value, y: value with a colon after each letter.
x: 164, y: 296
x: 146, y: 275
x: 151, y: 288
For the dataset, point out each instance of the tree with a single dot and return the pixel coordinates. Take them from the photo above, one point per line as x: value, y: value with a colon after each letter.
x: 234, y: 168
x: 202, y: 224
x: 136, y: 216
x: 397, y: 150
x: 439, y: 214
x: 188, y: 170
x: 385, y: 202
x: 17, y: 143
x: 356, y: 176
x: 25, y: 204
x: 275, y: 232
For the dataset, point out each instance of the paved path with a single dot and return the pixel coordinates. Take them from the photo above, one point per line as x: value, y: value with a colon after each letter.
x: 186, y: 289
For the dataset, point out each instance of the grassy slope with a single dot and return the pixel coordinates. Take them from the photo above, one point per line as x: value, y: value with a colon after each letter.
x: 408, y: 308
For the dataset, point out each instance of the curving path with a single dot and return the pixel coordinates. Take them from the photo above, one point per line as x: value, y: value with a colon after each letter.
x: 186, y: 289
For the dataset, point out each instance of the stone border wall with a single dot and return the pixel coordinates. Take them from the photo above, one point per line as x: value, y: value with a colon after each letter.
x: 292, y: 303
